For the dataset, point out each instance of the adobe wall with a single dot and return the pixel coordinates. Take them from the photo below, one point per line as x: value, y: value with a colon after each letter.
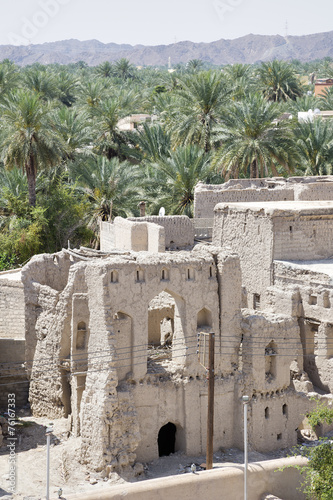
x: 179, y: 230
x: 303, y: 237
x: 315, y: 316
x: 248, y: 233
x: 106, y: 236
x: 206, y: 199
x: 12, y: 308
x: 265, y: 364
x: 207, y: 196
x: 131, y: 234
x: 13, y: 373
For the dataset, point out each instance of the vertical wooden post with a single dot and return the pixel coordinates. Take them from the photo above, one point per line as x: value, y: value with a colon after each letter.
x: 210, y: 415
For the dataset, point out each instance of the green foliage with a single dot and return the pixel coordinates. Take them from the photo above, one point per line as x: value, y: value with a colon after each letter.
x: 62, y: 149
x: 321, y: 414
x: 22, y: 238
x: 318, y: 473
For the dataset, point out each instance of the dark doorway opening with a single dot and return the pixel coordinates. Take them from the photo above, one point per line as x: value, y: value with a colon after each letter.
x: 166, y: 439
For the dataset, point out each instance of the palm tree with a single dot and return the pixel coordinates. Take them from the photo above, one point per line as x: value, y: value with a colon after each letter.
x: 198, y: 107
x: 113, y: 187
x: 106, y: 114
x: 91, y: 92
x: 66, y: 88
x: 151, y: 143
x: 28, y: 142
x: 194, y: 65
x: 326, y: 99
x: 252, y: 140
x: 13, y: 192
x: 75, y: 129
x: 9, y: 77
x: 279, y: 81
x: 241, y: 80
x: 105, y: 70
x: 305, y: 103
x: 123, y: 69
x: 315, y: 145
x: 41, y: 82
x: 170, y: 181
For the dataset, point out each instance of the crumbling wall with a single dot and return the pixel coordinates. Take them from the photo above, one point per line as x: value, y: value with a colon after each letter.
x: 109, y: 429
x: 48, y: 313
x: 303, y: 237
x: 13, y: 373
x: 12, y: 308
x: 182, y: 401
x: 207, y: 196
x: 314, y: 191
x: 248, y: 233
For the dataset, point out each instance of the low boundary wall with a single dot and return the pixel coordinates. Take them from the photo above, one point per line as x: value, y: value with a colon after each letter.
x: 225, y: 483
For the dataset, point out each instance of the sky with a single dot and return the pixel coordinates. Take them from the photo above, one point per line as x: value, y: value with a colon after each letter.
x: 156, y: 22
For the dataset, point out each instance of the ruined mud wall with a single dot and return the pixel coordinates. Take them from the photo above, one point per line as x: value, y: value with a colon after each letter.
x: 250, y: 235
x: 206, y: 199
x: 13, y: 374
x: 12, y: 309
x: 314, y: 191
x: 206, y: 196
x: 182, y: 402
x: 179, y: 230
x: 269, y: 349
x: 48, y: 315
x: 315, y: 315
x: 303, y: 237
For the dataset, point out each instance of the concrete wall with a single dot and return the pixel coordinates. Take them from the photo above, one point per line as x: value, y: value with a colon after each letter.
x: 226, y: 483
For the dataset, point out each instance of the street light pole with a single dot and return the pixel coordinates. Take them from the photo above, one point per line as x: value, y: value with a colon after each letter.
x: 210, y: 415
x: 49, y: 430
x: 245, y: 401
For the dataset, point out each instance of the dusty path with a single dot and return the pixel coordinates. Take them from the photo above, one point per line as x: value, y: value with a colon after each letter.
x: 72, y: 477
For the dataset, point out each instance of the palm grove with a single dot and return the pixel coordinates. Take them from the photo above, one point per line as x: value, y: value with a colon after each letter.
x: 66, y: 164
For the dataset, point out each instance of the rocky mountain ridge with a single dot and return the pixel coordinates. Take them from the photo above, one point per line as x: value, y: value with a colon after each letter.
x: 247, y: 49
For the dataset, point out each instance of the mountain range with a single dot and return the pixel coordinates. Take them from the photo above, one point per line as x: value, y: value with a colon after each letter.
x: 247, y: 49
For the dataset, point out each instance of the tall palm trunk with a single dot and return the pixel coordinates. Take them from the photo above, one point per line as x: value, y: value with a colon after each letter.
x: 254, y: 169
x: 31, y: 178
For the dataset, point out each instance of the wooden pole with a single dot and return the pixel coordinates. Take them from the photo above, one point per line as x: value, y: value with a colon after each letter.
x: 210, y: 415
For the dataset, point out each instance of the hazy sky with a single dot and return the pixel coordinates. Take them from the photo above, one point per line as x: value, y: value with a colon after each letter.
x: 154, y: 22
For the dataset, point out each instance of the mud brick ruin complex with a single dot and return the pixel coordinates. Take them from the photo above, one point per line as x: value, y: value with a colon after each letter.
x: 109, y: 338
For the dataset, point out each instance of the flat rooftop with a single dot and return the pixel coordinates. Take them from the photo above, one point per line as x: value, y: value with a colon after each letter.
x: 280, y: 208
x: 12, y: 275
x: 314, y: 266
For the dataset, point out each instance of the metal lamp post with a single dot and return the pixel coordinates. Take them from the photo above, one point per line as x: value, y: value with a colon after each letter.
x: 49, y: 430
x: 245, y: 400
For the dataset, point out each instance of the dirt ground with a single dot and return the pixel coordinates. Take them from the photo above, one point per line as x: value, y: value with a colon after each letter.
x: 67, y: 473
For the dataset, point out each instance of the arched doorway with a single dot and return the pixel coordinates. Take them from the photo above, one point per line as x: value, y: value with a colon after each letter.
x: 166, y: 439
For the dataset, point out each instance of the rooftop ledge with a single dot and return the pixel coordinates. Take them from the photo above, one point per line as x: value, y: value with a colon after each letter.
x: 324, y: 266
x: 279, y: 208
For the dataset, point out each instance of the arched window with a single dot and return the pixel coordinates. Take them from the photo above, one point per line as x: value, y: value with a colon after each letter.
x: 81, y: 334
x: 270, y: 360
